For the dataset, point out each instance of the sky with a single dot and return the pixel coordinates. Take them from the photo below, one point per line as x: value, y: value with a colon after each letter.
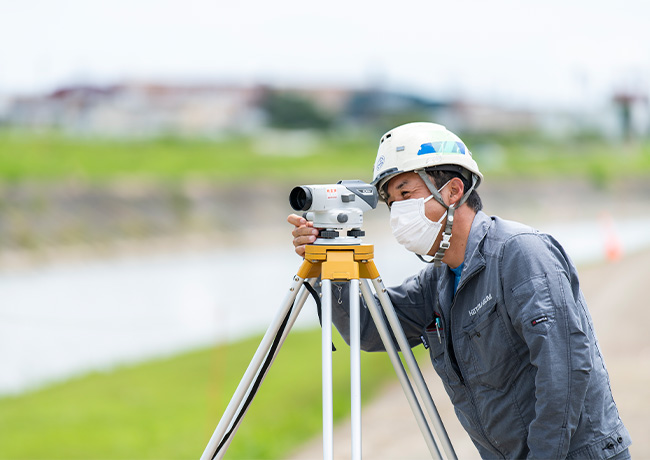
x: 564, y: 52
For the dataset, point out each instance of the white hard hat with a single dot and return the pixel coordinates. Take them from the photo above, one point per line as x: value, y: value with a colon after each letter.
x: 419, y: 146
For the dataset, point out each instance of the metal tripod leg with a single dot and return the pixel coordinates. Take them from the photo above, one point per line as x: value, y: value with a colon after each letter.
x: 399, y: 369
x: 302, y: 297
x: 326, y: 347
x: 254, y: 368
x: 355, y: 370
x: 421, y: 385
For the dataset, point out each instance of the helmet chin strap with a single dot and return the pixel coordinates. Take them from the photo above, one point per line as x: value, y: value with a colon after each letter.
x: 451, y: 209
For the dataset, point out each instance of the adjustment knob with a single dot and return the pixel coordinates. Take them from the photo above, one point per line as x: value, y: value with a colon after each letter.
x: 356, y: 233
x: 328, y: 234
x: 342, y: 218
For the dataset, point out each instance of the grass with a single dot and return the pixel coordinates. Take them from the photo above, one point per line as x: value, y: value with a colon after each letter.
x: 168, y: 409
x: 283, y: 157
x: 53, y: 157
x: 596, y: 160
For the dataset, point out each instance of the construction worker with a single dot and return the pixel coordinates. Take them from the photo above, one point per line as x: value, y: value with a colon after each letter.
x: 499, y: 307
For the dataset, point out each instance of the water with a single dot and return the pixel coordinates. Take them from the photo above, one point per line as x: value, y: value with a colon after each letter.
x: 63, y: 320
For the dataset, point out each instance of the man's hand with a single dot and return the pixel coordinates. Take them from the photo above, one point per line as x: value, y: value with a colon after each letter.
x: 303, y: 233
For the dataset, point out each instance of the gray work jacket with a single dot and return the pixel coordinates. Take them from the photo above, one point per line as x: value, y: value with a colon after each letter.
x: 515, y: 348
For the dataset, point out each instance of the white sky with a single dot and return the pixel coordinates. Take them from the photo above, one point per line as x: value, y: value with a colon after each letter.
x: 521, y: 52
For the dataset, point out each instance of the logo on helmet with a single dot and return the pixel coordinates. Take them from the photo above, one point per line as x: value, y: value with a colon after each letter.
x: 380, y: 163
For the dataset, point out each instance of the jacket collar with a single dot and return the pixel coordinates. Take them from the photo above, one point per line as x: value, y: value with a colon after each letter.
x: 474, y: 260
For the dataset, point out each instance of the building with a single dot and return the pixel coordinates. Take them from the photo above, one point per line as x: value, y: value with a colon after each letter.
x: 211, y: 110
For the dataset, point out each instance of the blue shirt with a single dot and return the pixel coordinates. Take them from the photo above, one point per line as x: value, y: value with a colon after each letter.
x: 457, y: 272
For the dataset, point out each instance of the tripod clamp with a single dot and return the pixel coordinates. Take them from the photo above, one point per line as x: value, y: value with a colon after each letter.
x: 352, y: 264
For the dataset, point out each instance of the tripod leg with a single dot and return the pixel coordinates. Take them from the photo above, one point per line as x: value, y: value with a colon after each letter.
x: 326, y: 345
x: 399, y: 369
x: 251, y: 372
x: 300, y: 301
x: 421, y: 385
x: 355, y: 369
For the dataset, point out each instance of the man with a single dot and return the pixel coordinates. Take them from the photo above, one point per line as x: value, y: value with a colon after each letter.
x: 500, y: 309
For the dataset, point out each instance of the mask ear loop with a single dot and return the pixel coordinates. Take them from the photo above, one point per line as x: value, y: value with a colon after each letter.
x: 451, y: 209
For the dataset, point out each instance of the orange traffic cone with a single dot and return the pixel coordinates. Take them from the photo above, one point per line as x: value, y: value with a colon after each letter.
x: 613, y: 246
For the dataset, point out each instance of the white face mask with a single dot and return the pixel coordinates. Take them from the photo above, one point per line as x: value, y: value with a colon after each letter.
x: 411, y: 227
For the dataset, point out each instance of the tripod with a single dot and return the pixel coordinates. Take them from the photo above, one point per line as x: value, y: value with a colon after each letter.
x: 353, y: 264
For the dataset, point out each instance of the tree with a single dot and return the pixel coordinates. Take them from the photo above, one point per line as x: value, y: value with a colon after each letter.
x: 290, y: 111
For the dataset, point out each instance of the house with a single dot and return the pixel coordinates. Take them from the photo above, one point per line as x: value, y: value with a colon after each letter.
x: 153, y: 109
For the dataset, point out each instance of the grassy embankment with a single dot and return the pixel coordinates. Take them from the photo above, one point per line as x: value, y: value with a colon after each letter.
x: 54, y: 157
x: 168, y: 408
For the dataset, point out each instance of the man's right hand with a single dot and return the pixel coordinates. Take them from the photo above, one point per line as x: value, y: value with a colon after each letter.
x: 303, y: 233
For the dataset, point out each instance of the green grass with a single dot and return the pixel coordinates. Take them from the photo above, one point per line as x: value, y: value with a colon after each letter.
x: 168, y: 409
x: 596, y: 160
x: 51, y: 156
x: 54, y: 157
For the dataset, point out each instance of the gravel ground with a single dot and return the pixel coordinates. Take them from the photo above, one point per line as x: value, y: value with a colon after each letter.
x: 616, y: 294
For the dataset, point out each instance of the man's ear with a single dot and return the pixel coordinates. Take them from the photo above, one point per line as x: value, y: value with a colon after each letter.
x: 456, y: 190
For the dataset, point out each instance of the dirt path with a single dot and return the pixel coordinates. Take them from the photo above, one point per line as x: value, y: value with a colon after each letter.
x: 617, y: 296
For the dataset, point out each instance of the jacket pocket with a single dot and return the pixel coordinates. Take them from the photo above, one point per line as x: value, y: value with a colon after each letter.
x: 436, y: 340
x: 493, y: 354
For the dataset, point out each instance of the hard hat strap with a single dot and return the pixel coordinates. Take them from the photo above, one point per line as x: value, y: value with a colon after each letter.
x: 434, y: 191
x: 446, y: 236
x: 451, y: 209
x: 432, y: 188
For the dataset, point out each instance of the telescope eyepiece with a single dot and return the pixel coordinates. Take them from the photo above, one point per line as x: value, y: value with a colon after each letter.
x: 301, y: 198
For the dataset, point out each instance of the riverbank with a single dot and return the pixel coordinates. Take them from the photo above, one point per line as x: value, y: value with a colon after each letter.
x: 49, y: 224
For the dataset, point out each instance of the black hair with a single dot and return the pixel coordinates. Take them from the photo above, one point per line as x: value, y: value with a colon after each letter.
x: 441, y: 177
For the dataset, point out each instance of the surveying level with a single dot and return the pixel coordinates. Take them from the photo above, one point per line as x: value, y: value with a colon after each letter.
x: 350, y: 263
